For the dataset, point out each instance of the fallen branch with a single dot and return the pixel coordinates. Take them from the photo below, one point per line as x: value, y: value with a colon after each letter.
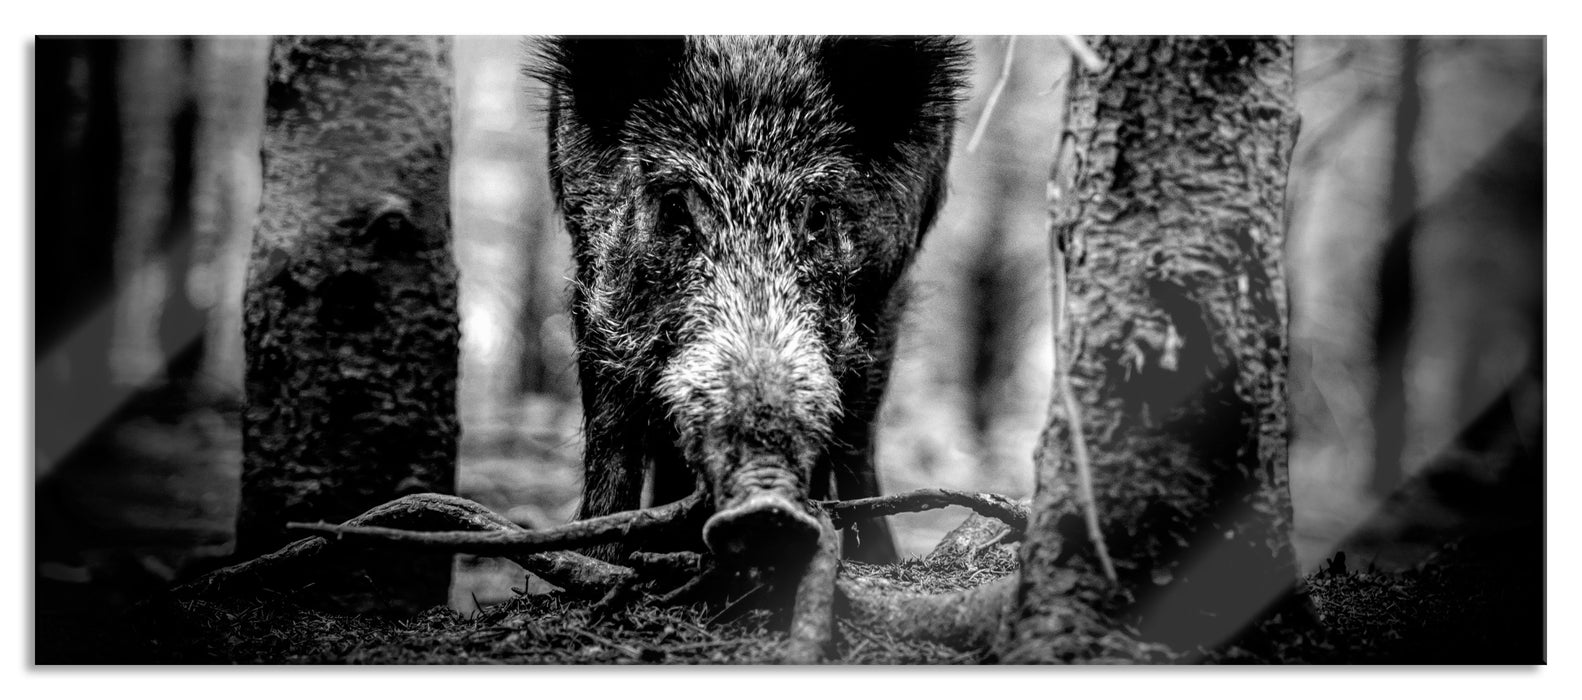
x: 991, y: 505
x: 813, y: 617
x: 963, y: 619
x: 508, y: 543
x: 578, y: 574
x: 488, y: 534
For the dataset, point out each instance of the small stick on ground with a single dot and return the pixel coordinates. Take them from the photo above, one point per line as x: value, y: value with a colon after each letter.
x: 708, y: 580
x: 813, y: 619
x: 616, y: 598
x: 990, y: 505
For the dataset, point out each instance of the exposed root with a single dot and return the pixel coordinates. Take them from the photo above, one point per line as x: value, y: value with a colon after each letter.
x: 255, y: 574
x: 501, y: 542
x: 667, y: 563
x: 968, y: 619
x: 417, y: 510
x: 813, y: 618
x: 992, y: 505
x: 577, y: 574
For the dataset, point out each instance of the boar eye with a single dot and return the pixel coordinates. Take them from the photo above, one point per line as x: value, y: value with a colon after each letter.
x: 675, y: 214
x: 815, y: 216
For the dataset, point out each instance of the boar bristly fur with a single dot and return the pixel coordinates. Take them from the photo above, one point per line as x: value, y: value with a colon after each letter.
x: 742, y: 211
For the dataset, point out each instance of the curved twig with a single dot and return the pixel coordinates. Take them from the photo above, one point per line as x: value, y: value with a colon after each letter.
x: 989, y: 505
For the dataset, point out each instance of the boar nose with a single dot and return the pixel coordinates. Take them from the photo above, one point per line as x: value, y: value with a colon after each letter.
x: 761, y: 513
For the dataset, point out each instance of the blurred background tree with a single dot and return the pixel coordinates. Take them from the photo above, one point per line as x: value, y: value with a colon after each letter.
x: 148, y: 185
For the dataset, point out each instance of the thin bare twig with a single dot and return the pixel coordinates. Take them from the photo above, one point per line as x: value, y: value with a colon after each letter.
x: 1084, y: 53
x: 989, y: 505
x: 708, y: 579
x: 994, y: 95
x: 1073, y: 412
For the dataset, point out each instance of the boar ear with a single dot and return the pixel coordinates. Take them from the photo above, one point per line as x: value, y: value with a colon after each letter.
x: 896, y: 91
x: 600, y: 79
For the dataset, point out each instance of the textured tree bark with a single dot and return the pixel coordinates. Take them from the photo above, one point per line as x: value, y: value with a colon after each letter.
x: 1166, y: 220
x: 350, y: 312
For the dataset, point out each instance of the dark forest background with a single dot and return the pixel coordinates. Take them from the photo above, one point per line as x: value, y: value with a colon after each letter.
x: 1415, y: 256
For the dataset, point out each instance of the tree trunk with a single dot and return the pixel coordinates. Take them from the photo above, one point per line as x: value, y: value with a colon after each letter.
x: 152, y: 243
x: 1393, y: 318
x: 1167, y: 233
x: 350, y: 312
x: 78, y: 161
x: 229, y: 80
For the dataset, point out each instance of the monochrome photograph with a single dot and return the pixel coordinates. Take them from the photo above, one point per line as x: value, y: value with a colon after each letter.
x: 797, y: 349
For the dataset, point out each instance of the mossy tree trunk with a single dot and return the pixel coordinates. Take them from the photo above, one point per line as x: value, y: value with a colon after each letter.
x: 1167, y: 233
x: 350, y: 312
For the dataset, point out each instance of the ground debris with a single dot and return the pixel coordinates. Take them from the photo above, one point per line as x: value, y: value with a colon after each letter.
x: 1474, y: 602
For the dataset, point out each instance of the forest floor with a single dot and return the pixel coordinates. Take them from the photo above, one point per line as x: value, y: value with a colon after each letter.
x: 118, y: 530
x: 1478, y: 600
